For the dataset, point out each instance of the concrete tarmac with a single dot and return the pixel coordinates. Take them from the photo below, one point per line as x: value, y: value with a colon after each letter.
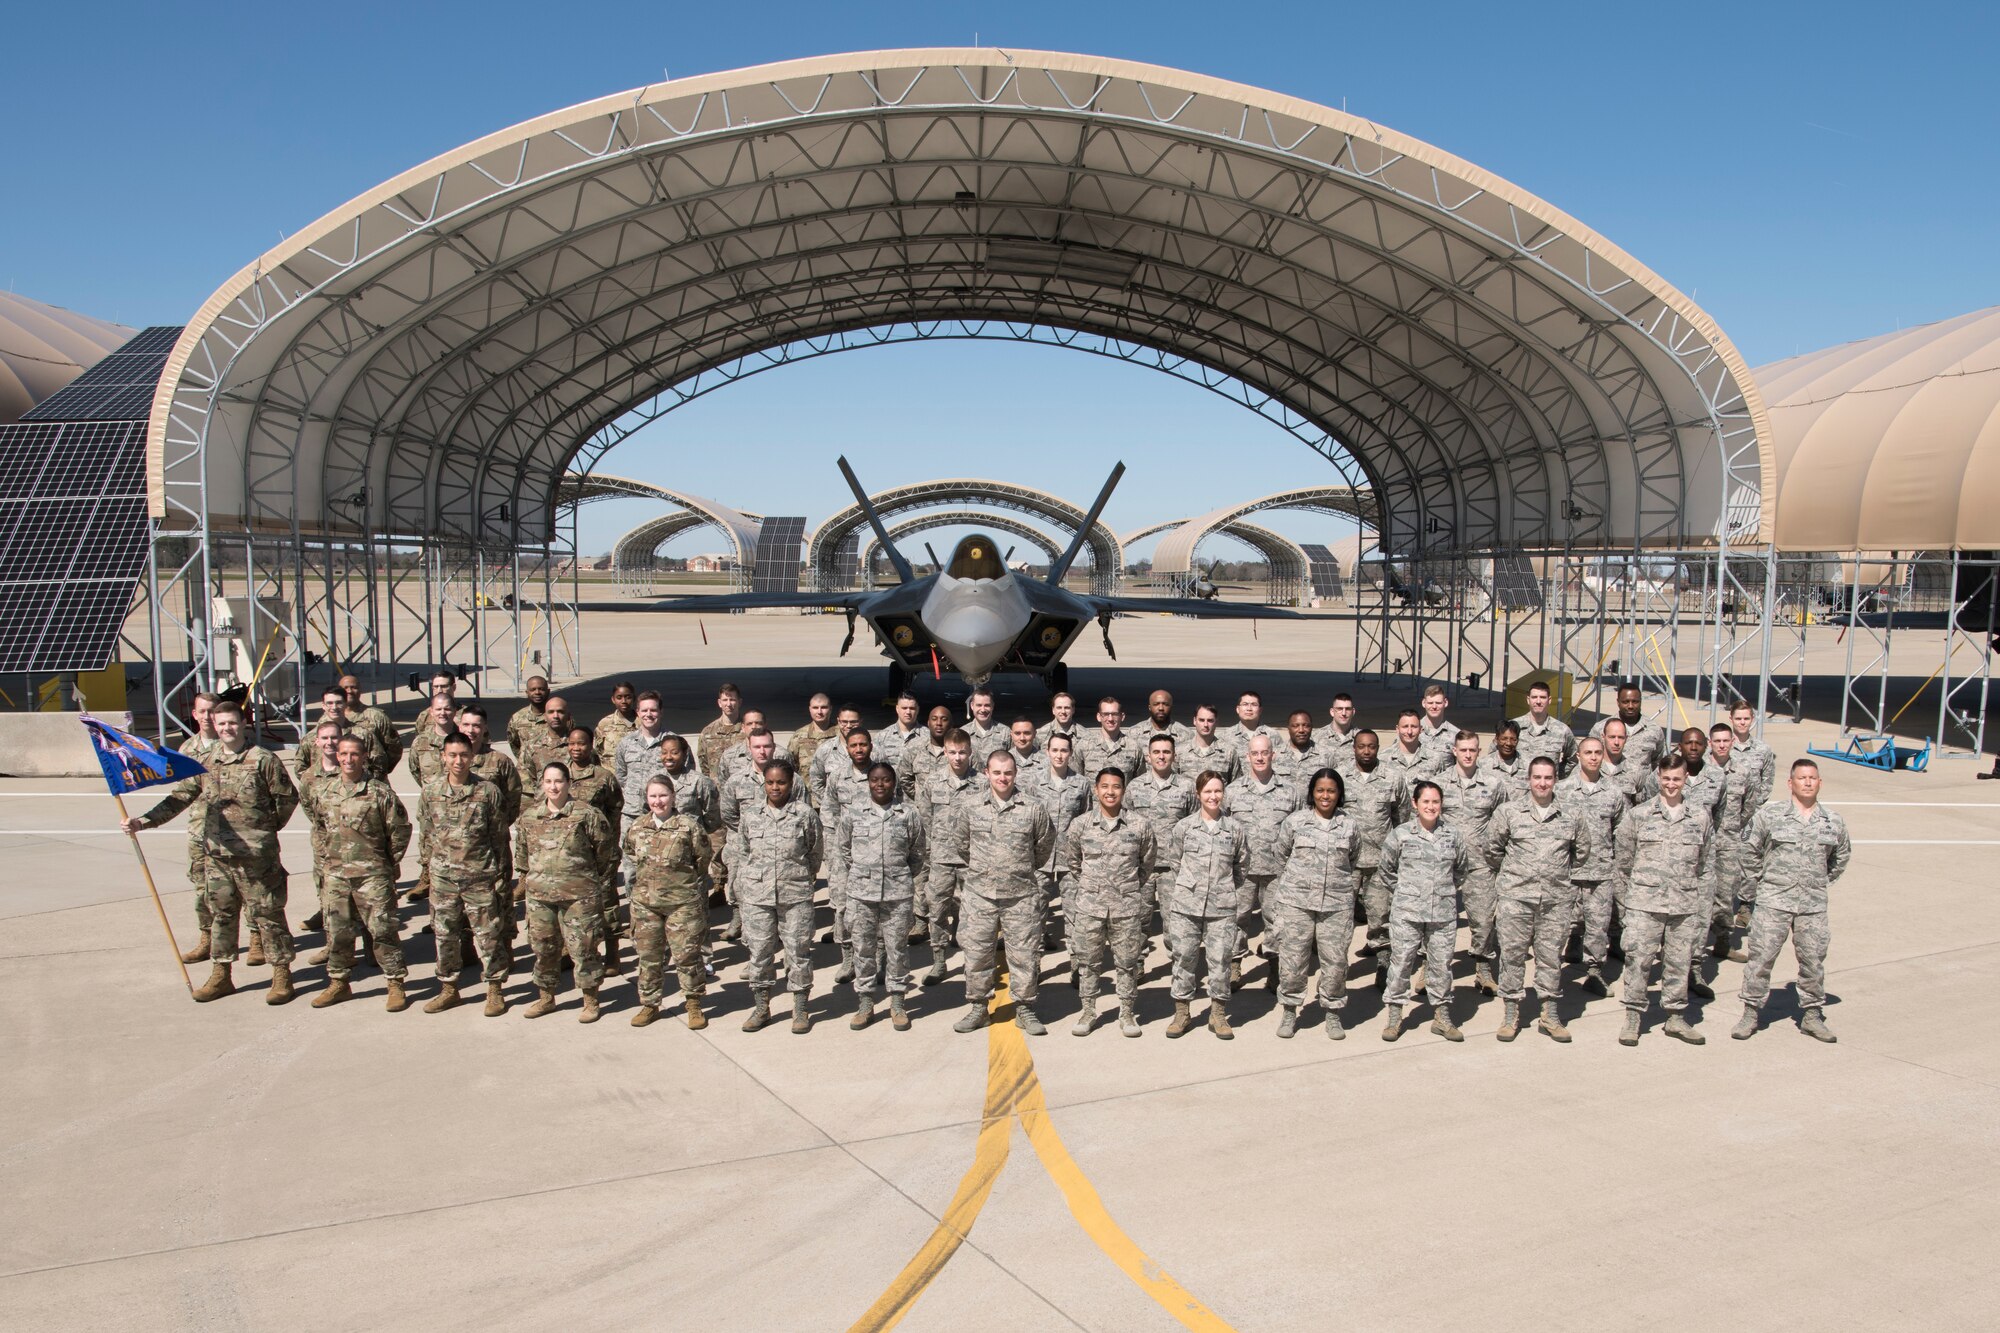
x: 168, y: 1165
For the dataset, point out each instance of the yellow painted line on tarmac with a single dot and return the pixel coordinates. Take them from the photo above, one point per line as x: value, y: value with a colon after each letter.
x: 1014, y: 1093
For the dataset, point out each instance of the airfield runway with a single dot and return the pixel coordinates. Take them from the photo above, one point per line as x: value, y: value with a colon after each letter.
x: 234, y: 1166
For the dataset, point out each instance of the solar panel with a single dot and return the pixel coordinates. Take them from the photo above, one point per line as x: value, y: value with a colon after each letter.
x: 1325, y: 571
x: 778, y: 543
x: 847, y: 561
x: 1515, y: 587
x: 118, y: 388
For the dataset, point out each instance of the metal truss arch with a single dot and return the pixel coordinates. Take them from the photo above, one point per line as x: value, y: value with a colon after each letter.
x: 739, y: 529
x: 958, y: 518
x: 1175, y: 553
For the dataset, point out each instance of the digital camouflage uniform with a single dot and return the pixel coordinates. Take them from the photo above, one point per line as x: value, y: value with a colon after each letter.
x: 669, y: 902
x: 1311, y: 905
x: 1064, y: 798
x: 567, y: 858
x: 1194, y: 759
x: 466, y: 850
x: 1074, y: 731
x: 1762, y: 762
x: 1664, y: 876
x: 1535, y: 852
x: 1260, y: 807
x: 1297, y: 767
x: 1439, y: 739
x: 1741, y: 799
x: 892, y: 741
x: 1549, y: 737
x: 1238, y: 737
x: 987, y: 740
x: 1409, y: 767
x: 1205, y: 862
x: 773, y: 876
x: 1423, y: 871
x: 1470, y: 805
x: 999, y: 849
x: 1162, y: 803
x: 366, y: 833
x: 1603, y: 803
x: 1793, y: 863
x: 633, y: 764
x: 1336, y: 745
x: 612, y: 728
x: 914, y: 764
x: 241, y: 802
x: 1097, y: 752
x: 1375, y: 802
x: 1645, y: 742
x: 845, y: 788
x: 1144, y: 730
x: 1512, y: 774
x: 1109, y: 866
x: 937, y: 796
x: 878, y: 851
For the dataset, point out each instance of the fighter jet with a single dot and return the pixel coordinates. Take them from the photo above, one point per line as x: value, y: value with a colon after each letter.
x: 975, y: 616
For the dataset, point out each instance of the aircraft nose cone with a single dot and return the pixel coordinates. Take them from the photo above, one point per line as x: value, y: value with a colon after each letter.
x: 975, y: 621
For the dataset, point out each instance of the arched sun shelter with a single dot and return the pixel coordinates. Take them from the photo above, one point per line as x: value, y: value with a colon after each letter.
x: 418, y: 368
x: 985, y: 520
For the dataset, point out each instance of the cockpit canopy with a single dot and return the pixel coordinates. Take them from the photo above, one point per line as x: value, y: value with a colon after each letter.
x: 975, y: 557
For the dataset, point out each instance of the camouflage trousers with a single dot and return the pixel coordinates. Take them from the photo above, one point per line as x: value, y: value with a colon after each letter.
x: 198, y: 876
x: 1670, y: 936
x: 1595, y: 904
x: 235, y: 889
x: 476, y: 907
x: 1729, y: 876
x: 881, y: 932
x: 1249, y: 913
x: 1811, y: 934
x: 717, y: 867
x: 675, y: 929
x: 985, y: 923
x: 766, y: 929
x: 1188, y: 938
x: 1432, y: 939
x: 941, y: 899
x: 1481, y: 897
x: 1540, y: 929
x: 1124, y: 937
x: 577, y: 926
x: 1303, y: 935
x: 836, y: 898
x: 367, y: 899
x: 1372, y: 896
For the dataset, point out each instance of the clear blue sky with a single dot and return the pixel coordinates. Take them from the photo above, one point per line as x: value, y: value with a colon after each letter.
x: 1810, y: 173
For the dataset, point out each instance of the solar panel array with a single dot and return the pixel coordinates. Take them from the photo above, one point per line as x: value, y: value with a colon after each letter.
x: 779, y: 542
x: 118, y: 388
x: 847, y: 562
x: 1515, y: 587
x: 1324, y: 569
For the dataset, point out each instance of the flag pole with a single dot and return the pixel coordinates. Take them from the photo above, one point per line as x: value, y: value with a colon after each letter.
x: 151, y: 888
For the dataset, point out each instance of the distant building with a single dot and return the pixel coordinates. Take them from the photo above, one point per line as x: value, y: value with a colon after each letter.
x: 710, y: 564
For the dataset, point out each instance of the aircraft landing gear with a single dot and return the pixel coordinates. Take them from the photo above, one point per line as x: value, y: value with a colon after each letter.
x: 899, y: 680
x: 1058, y: 678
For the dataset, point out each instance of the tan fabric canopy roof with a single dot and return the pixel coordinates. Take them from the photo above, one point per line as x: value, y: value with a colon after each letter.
x: 44, y: 347
x: 1892, y: 443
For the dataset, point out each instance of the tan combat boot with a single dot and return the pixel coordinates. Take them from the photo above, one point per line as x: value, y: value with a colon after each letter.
x: 199, y: 953
x: 1288, y: 1021
x: 975, y: 1017
x: 759, y: 1015
x: 336, y: 991
x: 1482, y: 979
x: 1086, y: 1016
x: 1392, y: 1022
x: 545, y: 1002
x: 1813, y: 1024
x: 845, y: 972
x: 1630, y: 1036
x: 1182, y: 1019
x: 1678, y: 1026
x: 591, y: 1012
x: 281, y: 984
x: 864, y: 1012
x: 802, y: 1019
x: 447, y: 998
x: 1746, y: 1026
x: 255, y: 958
x: 496, y: 1003
x: 645, y: 1016
x: 696, y: 1019
x: 218, y: 984
x: 395, y: 1001
x: 899, y: 1017
x: 318, y: 957
x: 1334, y: 1029
x: 1128, y: 1018
x: 1442, y: 1025
x: 1510, y: 1021
x: 1550, y: 1024
x: 1218, y: 1022
x: 612, y: 967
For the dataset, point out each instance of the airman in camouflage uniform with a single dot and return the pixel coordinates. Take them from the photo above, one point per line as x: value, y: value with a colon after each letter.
x: 637, y: 757
x: 617, y: 724
x: 1762, y: 761
x: 999, y: 840
x: 568, y: 856
x: 1472, y: 795
x: 1406, y: 758
x: 845, y: 786
x: 744, y: 791
x: 1795, y: 849
x: 902, y: 734
x: 1311, y: 903
x: 366, y: 833
x: 806, y: 740
x: 442, y: 682
x: 316, y: 788
x: 333, y: 708
x: 245, y: 798
x: 1058, y: 788
x: 1163, y: 798
x: 1664, y: 880
x: 878, y: 850
x: 1506, y: 763
x: 725, y: 730
x: 426, y: 756
x: 1159, y: 721
x: 1108, y: 855
x: 597, y: 787
x: 666, y: 850
x: 736, y: 759
x: 780, y: 843
x: 198, y: 747
x: 1375, y: 802
x: 1603, y: 802
x: 1108, y: 745
x: 1207, y: 752
x: 1536, y: 846
x: 1336, y: 739
x: 1644, y: 743
x: 1435, y: 732
x: 1063, y: 721
x: 1424, y: 864
x: 489, y: 765
x: 374, y: 725
x: 548, y: 743
x: 1297, y: 756
x: 1249, y: 724
x: 831, y: 755
x: 1260, y: 800
x: 923, y: 754
x: 528, y: 718
x: 1206, y: 858
x: 1545, y: 735
x: 1733, y: 811
x: 986, y: 736
x: 1028, y: 756
x: 464, y: 853
x: 946, y: 786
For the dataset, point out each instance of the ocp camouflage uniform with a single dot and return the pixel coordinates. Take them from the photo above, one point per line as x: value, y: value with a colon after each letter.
x: 198, y: 748
x: 938, y: 795
x: 489, y: 765
x: 612, y: 728
x: 1205, y: 862
x: 1109, y: 863
x: 1000, y: 847
x: 597, y: 787
x: 426, y: 756
x: 1664, y: 879
x: 367, y: 832
x: 567, y: 858
x: 1469, y: 807
x: 241, y: 802
x: 914, y: 764
x: 1162, y: 803
x: 1793, y: 862
x: 1535, y: 852
x: 1422, y: 869
x: 1195, y: 759
x: 543, y: 747
x: 1604, y: 804
x: 1311, y: 905
x: 1375, y: 802
x: 712, y: 742
x: 774, y: 887
x: 464, y: 857
x: 306, y: 756
x: 805, y: 742
x: 1551, y: 738
x: 521, y: 727
x: 376, y: 727
x: 1097, y: 752
x: 1261, y: 807
x: 313, y: 788
x: 878, y: 851
x: 669, y: 902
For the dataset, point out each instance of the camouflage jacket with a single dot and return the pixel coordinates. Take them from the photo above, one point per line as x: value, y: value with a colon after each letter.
x: 541, y: 747
x: 914, y: 764
x: 1645, y: 742
x: 1205, y: 861
x: 366, y: 828
x: 612, y: 728
x: 1144, y: 730
x: 1603, y: 803
x: 830, y: 753
x: 845, y: 788
x: 635, y: 760
x: 779, y: 847
x: 372, y: 722
x: 1238, y: 737
x: 1063, y: 797
x: 1535, y: 852
x: 1795, y: 861
x: 805, y: 742
x: 1000, y: 846
x: 695, y: 795
x: 891, y: 742
x: 1074, y: 731
x: 1319, y: 856
x: 1161, y: 803
x: 985, y: 740
x: 1665, y: 863
x: 1261, y: 807
x: 198, y: 748
x: 1439, y: 739
x: 426, y: 755
x: 1740, y: 796
x: 492, y: 766
x: 1551, y: 737
x: 1470, y: 805
x: 745, y: 792
x: 1423, y: 871
x: 465, y: 829
x: 712, y: 742
x: 520, y: 727
x: 1376, y: 802
x: 564, y: 856
x: 667, y: 857
x: 1194, y: 759
x: 1629, y: 778
x: 306, y: 757
x: 1336, y: 744
x: 1297, y: 766
x: 595, y: 787
x: 1097, y: 752
x: 1762, y: 762
x: 878, y: 850
x: 939, y: 794
x: 1410, y: 767
x: 1109, y: 863
x: 314, y: 789
x: 245, y: 798
x: 1512, y: 774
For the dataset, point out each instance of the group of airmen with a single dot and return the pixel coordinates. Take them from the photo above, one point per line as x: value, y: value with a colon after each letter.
x: 1236, y: 845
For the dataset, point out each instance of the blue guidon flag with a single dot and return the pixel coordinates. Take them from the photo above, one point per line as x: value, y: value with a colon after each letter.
x: 130, y: 763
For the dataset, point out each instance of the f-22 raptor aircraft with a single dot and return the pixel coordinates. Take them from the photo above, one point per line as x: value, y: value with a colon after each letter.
x: 975, y: 616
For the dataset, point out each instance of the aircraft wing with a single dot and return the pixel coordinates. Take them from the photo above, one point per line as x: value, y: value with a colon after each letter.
x: 1190, y: 606
x: 746, y: 601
